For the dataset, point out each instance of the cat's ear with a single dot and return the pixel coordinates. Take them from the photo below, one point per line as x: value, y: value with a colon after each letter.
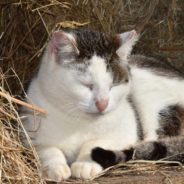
x: 63, y: 46
x: 127, y: 40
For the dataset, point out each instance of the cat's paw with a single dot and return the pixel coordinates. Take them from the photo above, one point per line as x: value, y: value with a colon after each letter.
x: 85, y: 170
x: 56, y: 172
x: 149, y: 151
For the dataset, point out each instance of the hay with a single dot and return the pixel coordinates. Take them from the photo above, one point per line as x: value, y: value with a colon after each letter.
x: 25, y: 26
x: 17, y: 164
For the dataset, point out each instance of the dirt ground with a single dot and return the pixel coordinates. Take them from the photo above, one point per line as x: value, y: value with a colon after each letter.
x: 169, y: 177
x: 138, y: 174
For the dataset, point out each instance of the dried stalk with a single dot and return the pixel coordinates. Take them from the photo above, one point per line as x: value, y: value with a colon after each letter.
x: 30, y: 106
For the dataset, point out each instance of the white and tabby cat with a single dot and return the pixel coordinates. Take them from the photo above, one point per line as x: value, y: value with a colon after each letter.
x: 84, y: 84
x: 157, y: 95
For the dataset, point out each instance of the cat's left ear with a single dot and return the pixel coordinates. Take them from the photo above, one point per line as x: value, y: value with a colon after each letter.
x: 127, y: 40
x: 63, y: 46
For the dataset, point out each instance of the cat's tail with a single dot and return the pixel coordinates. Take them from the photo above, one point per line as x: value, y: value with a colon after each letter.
x: 170, y: 149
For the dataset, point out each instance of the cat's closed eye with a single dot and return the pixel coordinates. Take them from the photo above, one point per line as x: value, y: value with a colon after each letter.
x: 88, y: 85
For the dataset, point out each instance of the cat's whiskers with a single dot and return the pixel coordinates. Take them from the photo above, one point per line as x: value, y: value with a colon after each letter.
x: 72, y: 111
x: 84, y: 106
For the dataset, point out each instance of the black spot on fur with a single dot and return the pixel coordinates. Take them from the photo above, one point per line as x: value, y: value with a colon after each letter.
x: 128, y: 154
x: 107, y: 158
x: 93, y: 42
x: 104, y: 157
x: 120, y: 74
x: 170, y: 120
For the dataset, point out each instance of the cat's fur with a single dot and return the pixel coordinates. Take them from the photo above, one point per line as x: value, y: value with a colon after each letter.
x: 157, y: 94
x: 84, y: 84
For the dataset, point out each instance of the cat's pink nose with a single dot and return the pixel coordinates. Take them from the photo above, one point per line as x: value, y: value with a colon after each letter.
x: 102, y: 104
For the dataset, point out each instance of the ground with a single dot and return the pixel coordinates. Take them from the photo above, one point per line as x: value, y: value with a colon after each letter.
x: 139, y: 173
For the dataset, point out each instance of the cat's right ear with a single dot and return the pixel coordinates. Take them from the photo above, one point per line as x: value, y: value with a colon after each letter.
x: 63, y: 47
x: 127, y: 41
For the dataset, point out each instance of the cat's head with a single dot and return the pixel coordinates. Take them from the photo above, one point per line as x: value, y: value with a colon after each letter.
x: 91, y: 67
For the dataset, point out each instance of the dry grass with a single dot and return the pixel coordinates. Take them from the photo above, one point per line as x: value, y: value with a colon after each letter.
x: 17, y: 164
x: 25, y: 26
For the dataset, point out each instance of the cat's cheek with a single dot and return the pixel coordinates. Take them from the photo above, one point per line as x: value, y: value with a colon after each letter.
x: 81, y: 94
x: 120, y: 92
x: 115, y: 96
x: 114, y: 99
x: 111, y: 106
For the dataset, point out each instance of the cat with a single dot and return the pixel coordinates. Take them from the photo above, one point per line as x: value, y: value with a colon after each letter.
x: 84, y: 84
x: 157, y: 95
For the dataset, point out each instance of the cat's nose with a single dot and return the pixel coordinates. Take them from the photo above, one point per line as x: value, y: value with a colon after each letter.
x: 102, y: 104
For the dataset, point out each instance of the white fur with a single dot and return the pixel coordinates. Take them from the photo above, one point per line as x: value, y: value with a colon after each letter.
x: 152, y: 93
x: 73, y: 126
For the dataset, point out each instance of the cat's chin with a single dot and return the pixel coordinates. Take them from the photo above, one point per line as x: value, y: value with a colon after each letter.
x: 97, y: 113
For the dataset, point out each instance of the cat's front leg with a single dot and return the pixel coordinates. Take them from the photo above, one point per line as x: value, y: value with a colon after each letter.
x: 84, y: 167
x: 54, y: 165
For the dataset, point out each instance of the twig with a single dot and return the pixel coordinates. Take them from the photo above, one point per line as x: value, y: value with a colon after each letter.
x: 46, y: 28
x: 5, y: 113
x: 30, y: 106
x: 155, y: 162
x: 99, y: 16
x: 167, y: 177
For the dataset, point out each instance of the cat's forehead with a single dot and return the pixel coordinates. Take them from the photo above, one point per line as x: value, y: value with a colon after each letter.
x: 90, y: 43
x: 99, y: 69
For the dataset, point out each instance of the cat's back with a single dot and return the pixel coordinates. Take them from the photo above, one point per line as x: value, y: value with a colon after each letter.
x: 156, y: 82
x: 158, y: 66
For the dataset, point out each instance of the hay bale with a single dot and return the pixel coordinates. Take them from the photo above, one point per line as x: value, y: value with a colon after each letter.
x: 24, y: 30
x: 26, y: 26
